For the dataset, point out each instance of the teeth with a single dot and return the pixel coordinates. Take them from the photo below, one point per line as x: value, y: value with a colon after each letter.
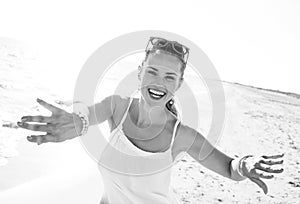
x: 155, y: 96
x: 156, y: 92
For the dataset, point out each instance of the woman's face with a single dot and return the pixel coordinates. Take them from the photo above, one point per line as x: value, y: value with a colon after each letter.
x: 160, y: 77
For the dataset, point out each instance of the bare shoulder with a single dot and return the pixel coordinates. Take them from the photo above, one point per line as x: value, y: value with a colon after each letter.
x: 104, y: 109
x: 115, y: 102
x: 120, y: 106
x: 185, y: 137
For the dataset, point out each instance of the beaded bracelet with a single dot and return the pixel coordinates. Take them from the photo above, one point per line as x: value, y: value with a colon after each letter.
x: 80, y: 109
x: 237, y: 166
x: 85, y: 123
x: 240, y: 169
x: 236, y: 169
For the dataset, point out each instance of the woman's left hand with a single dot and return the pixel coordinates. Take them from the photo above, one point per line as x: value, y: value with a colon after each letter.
x: 257, y: 168
x: 59, y: 127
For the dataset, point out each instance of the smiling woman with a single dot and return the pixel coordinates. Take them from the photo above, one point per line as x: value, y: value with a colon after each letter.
x: 148, y: 134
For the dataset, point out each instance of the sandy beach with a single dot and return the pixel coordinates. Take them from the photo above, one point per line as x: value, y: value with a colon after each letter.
x: 257, y: 122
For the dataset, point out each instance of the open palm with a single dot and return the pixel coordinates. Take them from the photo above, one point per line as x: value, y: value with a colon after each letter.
x: 60, y: 126
x: 257, y: 168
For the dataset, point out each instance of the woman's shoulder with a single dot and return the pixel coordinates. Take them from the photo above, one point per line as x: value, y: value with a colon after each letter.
x: 116, y: 102
x: 184, y: 129
x: 119, y: 104
x: 185, y: 136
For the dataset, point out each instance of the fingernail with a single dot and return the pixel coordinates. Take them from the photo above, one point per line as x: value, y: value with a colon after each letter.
x: 19, y: 123
x: 23, y: 119
x: 29, y: 137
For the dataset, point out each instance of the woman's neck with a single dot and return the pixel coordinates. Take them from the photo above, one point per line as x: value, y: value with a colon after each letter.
x: 149, y: 115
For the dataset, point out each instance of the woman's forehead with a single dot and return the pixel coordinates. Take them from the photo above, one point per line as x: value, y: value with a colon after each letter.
x: 163, y: 60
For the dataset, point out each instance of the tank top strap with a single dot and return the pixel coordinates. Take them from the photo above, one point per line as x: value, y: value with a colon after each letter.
x: 125, y: 114
x: 174, y: 132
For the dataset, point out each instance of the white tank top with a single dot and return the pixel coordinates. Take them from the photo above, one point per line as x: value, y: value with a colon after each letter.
x: 133, y: 176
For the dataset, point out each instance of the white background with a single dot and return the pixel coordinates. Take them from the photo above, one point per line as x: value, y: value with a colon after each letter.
x: 250, y: 42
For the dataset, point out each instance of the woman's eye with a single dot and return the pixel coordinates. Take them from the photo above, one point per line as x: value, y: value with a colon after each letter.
x: 170, y: 78
x: 152, y: 72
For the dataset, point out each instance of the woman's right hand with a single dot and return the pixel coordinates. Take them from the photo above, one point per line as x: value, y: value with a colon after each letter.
x: 60, y: 126
x: 257, y: 168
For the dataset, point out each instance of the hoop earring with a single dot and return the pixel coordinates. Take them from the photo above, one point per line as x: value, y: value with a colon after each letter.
x: 139, y: 72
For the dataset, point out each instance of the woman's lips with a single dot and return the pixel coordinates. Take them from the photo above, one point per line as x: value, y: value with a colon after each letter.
x: 156, y: 94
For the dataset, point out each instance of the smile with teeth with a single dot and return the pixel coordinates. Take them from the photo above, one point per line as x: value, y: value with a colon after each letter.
x: 156, y: 93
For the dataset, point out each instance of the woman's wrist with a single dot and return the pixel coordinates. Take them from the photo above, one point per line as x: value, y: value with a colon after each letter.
x: 236, y: 169
x: 85, y: 124
x: 82, y: 111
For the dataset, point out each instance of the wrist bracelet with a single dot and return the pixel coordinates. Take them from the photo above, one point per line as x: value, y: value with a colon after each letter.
x: 80, y: 109
x: 85, y: 123
x: 236, y: 169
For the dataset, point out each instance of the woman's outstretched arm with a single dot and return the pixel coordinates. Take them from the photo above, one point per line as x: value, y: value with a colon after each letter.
x: 254, y: 168
x: 198, y: 147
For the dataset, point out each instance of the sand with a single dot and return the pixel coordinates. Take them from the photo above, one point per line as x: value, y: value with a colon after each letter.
x: 257, y: 122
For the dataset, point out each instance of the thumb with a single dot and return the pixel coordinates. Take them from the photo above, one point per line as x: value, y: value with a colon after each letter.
x: 260, y: 183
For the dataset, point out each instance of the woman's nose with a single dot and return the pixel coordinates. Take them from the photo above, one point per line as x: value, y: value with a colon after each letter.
x: 159, y: 80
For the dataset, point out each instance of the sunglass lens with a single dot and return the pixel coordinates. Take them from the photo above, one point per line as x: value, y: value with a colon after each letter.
x: 179, y: 49
x: 159, y: 42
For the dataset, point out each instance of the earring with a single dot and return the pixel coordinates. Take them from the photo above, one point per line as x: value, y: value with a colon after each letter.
x: 139, y: 85
x: 139, y: 72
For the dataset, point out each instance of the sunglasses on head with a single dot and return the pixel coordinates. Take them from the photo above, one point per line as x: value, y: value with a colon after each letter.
x: 157, y: 43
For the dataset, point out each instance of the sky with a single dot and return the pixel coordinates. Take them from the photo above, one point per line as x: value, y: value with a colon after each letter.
x: 249, y: 42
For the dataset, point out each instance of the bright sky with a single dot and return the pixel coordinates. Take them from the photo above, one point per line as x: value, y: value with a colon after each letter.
x: 251, y: 42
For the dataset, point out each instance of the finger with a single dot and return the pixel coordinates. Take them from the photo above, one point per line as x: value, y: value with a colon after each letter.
x: 50, y: 107
x: 35, y: 127
x: 37, y: 118
x: 39, y: 139
x: 262, y: 175
x: 270, y: 162
x: 268, y: 169
x: 273, y: 156
x: 260, y: 183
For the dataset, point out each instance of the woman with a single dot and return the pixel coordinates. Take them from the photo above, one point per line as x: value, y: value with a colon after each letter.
x: 148, y: 126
